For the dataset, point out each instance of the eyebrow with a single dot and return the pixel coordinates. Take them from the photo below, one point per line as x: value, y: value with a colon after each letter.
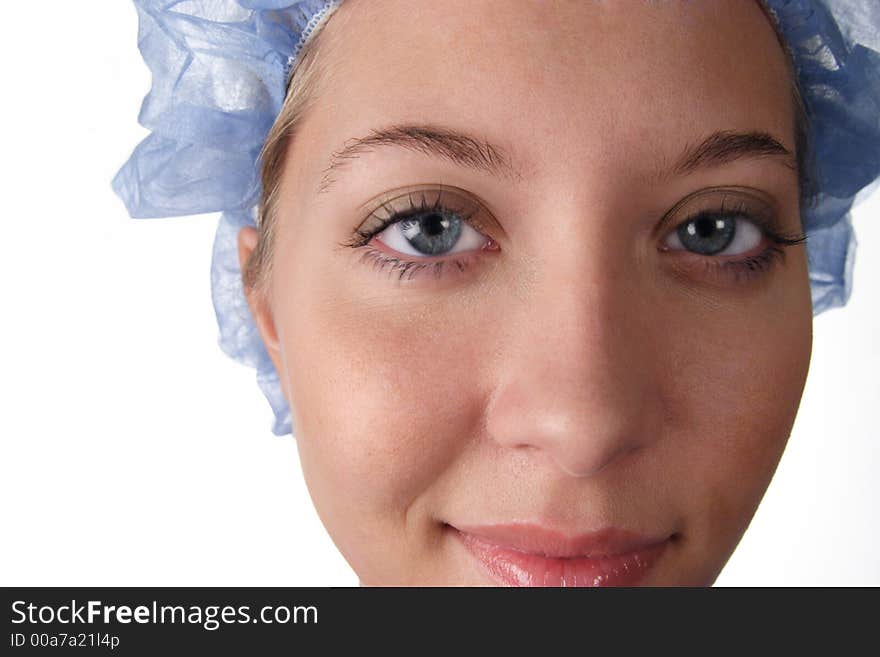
x: 720, y: 147
x: 726, y: 146
x: 459, y: 148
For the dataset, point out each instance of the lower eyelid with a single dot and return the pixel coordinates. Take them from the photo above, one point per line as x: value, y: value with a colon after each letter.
x: 404, y: 270
x: 733, y: 269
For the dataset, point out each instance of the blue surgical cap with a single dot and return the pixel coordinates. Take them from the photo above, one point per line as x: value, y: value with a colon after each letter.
x: 220, y: 70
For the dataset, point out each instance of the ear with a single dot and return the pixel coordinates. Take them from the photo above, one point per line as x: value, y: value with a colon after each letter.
x: 248, y: 237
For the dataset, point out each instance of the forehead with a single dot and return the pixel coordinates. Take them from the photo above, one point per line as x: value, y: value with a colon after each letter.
x: 612, y: 81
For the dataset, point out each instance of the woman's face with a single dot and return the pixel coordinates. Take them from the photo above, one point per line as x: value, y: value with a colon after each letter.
x: 590, y: 343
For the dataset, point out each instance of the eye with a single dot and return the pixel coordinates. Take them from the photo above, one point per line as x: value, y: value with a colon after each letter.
x: 435, y: 231
x: 736, y: 222
x: 716, y: 233
x: 419, y: 227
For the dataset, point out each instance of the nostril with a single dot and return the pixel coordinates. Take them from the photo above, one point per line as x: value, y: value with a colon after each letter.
x: 594, y: 463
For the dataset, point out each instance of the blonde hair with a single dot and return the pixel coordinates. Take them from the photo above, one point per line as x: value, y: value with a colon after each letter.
x: 301, y: 95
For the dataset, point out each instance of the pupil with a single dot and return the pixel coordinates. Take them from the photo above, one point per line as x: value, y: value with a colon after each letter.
x: 433, y: 224
x: 705, y: 226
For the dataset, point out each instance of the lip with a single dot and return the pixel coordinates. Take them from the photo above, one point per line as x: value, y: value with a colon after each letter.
x: 525, y: 554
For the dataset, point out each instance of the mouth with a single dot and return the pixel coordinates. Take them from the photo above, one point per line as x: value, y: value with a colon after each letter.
x: 523, y: 554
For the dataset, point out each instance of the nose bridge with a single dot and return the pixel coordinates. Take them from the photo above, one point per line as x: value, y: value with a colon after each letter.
x: 575, y: 377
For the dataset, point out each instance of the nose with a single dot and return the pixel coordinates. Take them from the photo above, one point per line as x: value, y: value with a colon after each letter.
x: 575, y: 371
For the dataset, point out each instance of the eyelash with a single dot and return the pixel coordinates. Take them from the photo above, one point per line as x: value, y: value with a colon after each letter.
x: 743, y: 269
x: 381, y: 260
x: 749, y: 267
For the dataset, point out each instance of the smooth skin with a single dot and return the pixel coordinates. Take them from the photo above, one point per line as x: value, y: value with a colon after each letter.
x: 576, y: 375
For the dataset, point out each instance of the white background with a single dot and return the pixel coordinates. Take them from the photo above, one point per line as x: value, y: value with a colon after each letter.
x: 134, y: 452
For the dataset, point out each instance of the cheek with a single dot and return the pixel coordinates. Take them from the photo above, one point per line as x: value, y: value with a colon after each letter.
x: 385, y: 402
x: 738, y: 398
